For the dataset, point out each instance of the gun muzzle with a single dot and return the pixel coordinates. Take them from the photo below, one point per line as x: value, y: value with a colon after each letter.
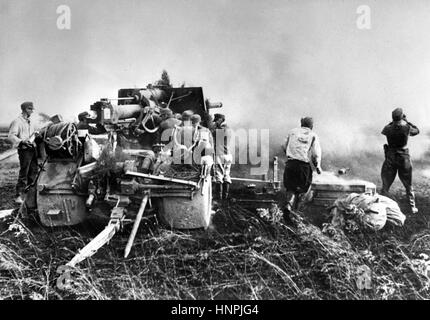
x: 214, y: 105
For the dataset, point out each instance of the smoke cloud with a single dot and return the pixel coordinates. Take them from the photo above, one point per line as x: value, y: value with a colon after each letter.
x: 270, y: 62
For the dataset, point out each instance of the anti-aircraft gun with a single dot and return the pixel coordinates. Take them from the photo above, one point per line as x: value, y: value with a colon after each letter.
x: 126, y: 172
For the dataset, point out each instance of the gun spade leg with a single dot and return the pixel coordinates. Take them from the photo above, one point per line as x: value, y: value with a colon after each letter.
x: 136, y: 225
x: 92, y: 247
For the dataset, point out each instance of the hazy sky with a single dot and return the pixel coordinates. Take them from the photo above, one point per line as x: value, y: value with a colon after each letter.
x: 269, y: 62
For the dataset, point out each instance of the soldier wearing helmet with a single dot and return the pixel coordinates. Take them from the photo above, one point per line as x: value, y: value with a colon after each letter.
x: 397, y: 159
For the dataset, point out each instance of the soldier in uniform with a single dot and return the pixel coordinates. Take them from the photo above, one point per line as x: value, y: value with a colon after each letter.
x: 83, y: 124
x: 168, y: 123
x: 22, y: 134
x: 397, y: 159
x: 302, y: 148
x: 223, y: 157
x: 201, y: 136
x: 182, y: 139
x: 186, y: 118
x: 203, y: 145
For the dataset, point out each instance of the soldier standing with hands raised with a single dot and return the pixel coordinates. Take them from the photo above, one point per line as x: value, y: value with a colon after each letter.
x: 397, y: 159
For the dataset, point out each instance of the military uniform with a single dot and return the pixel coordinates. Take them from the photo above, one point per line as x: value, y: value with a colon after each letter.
x: 21, y: 132
x: 397, y: 158
x: 168, y: 123
x: 223, y: 157
x: 202, y: 138
x: 86, y: 127
x: 301, y: 148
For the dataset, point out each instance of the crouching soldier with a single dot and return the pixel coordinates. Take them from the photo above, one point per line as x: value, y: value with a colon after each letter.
x: 302, y: 147
x: 397, y: 159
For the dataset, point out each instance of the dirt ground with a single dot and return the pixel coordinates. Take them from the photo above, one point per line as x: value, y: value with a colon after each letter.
x: 240, y: 256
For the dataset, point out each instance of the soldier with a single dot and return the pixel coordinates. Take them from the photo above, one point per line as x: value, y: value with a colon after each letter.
x: 182, y: 139
x: 168, y: 123
x: 84, y: 125
x: 22, y: 134
x: 185, y: 128
x: 200, y: 132
x: 302, y: 148
x: 202, y: 136
x: 197, y: 128
x: 203, y: 145
x: 196, y: 120
x: 186, y: 118
x: 397, y: 159
x: 223, y: 157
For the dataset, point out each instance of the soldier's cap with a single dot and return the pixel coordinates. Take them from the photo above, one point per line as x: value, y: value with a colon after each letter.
x: 83, y: 115
x: 166, y: 112
x: 26, y: 104
x: 307, y: 122
x: 186, y: 115
x: 219, y: 116
x: 397, y: 114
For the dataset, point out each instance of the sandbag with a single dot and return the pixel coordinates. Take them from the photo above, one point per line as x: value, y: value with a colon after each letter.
x: 394, y: 214
x: 363, y: 208
x: 375, y: 216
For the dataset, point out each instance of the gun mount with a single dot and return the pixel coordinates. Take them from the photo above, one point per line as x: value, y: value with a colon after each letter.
x: 132, y: 102
x: 126, y: 171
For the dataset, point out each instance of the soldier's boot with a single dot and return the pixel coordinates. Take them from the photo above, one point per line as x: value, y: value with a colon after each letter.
x: 23, y: 212
x: 411, y: 198
x: 291, y: 201
x: 226, y: 190
x: 299, y: 202
x: 218, y: 191
x: 289, y: 207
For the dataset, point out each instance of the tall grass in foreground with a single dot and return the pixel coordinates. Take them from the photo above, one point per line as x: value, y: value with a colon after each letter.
x: 241, y: 256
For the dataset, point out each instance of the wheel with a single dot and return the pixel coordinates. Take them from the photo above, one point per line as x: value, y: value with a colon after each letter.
x: 57, y: 203
x: 186, y: 213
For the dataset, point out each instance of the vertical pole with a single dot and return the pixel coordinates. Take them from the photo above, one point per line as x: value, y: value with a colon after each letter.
x: 136, y: 225
x: 275, y: 169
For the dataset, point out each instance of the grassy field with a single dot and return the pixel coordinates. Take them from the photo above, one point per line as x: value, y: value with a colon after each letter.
x: 4, y: 143
x: 241, y: 256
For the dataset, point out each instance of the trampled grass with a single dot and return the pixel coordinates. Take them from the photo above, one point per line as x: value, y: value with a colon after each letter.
x: 242, y: 255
